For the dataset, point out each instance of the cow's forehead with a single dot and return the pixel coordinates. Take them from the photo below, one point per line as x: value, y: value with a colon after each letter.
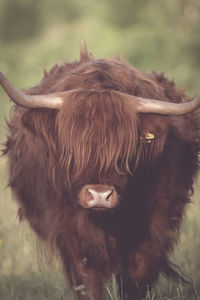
x: 107, y: 65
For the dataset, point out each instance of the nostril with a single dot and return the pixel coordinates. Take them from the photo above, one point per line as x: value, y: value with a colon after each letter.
x: 90, y: 195
x: 109, y: 195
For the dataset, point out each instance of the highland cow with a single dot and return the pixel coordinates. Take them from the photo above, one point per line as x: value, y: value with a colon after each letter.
x: 102, y: 159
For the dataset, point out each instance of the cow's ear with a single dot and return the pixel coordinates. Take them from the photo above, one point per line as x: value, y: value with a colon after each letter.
x: 153, y: 131
x: 38, y: 121
x: 188, y: 127
x: 28, y: 123
x: 152, y: 127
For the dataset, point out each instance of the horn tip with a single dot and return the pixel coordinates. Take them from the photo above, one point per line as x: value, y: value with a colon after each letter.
x: 3, y: 78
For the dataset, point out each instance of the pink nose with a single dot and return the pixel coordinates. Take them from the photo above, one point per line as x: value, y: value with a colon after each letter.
x: 98, y: 196
x: 94, y: 195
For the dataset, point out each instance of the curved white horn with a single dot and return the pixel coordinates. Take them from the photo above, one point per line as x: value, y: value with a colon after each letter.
x: 145, y: 105
x: 53, y: 100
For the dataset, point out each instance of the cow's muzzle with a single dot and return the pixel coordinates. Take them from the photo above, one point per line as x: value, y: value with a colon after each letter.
x: 98, y: 197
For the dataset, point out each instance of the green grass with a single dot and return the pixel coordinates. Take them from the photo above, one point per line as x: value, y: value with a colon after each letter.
x: 35, y: 286
x: 51, y: 286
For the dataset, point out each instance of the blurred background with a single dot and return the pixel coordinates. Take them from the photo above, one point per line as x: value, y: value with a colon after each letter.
x: 149, y: 34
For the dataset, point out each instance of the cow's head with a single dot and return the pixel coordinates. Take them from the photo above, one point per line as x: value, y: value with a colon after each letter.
x: 98, y: 129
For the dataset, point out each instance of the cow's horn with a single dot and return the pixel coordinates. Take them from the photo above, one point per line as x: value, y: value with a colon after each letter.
x: 145, y: 105
x: 53, y: 100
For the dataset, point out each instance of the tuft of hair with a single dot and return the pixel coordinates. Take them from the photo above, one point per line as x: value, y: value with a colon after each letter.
x: 173, y: 271
x: 84, y: 53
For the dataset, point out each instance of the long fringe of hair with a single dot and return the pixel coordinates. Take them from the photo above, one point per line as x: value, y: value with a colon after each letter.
x: 97, y: 130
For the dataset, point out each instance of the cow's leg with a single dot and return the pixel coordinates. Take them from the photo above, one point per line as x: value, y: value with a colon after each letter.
x: 129, y: 288
x: 86, y: 283
x: 91, y: 285
x: 139, y: 274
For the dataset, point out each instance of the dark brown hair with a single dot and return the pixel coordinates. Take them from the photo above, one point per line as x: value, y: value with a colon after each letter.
x: 97, y: 137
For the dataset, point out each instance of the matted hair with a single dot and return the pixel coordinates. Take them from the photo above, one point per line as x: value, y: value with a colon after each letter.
x: 97, y: 136
x: 97, y: 130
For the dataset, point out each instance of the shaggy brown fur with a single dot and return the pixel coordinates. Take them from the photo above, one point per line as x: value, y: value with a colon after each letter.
x: 98, y: 138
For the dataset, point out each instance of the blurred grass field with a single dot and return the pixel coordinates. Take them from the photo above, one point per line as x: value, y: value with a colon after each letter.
x: 151, y: 35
